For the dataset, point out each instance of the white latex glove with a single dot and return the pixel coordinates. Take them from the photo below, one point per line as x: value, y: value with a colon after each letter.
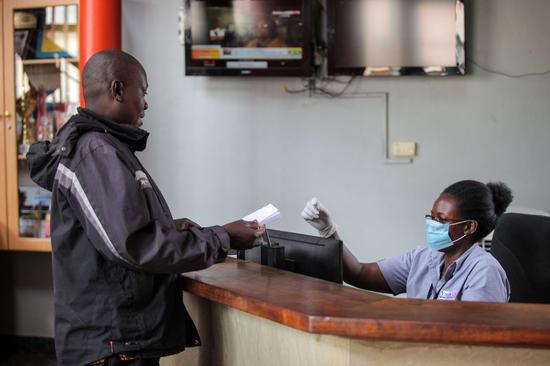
x: 317, y: 216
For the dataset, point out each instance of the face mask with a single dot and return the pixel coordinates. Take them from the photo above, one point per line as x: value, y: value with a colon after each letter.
x: 437, y: 234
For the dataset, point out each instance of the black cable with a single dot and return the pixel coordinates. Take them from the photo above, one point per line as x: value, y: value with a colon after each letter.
x: 332, y: 94
x: 512, y: 76
x: 333, y: 79
x: 311, y: 86
x: 296, y: 91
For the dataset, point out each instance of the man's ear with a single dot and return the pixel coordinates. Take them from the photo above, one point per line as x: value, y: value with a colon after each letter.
x: 117, y: 90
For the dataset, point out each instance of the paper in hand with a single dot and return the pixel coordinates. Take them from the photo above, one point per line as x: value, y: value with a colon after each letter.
x: 264, y: 215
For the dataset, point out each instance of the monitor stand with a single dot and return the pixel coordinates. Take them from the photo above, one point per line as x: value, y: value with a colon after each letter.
x: 272, y: 255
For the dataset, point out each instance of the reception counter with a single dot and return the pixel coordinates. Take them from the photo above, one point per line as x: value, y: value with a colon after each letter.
x: 249, y: 314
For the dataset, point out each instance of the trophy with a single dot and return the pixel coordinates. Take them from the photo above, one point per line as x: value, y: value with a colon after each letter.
x: 25, y: 106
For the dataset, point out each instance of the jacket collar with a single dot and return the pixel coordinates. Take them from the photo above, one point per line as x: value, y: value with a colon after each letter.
x: 134, y: 137
x: 43, y: 157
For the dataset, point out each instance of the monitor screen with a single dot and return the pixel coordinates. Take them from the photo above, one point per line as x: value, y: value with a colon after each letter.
x: 309, y: 255
x: 395, y: 37
x: 248, y: 37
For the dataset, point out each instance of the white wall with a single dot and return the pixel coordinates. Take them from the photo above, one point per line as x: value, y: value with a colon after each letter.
x: 221, y: 147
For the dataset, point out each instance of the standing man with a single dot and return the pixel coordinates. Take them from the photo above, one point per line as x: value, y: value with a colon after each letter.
x: 116, y: 250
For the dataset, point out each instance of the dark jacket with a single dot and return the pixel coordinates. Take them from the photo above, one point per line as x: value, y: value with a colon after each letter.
x: 116, y: 252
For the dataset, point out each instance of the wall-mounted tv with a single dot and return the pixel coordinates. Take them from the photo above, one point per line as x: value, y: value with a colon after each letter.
x: 248, y: 37
x: 395, y: 37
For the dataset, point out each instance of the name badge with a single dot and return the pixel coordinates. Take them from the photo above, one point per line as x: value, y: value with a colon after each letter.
x: 448, y: 295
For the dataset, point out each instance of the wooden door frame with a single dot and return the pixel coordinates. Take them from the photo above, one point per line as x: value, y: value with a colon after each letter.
x: 3, y: 173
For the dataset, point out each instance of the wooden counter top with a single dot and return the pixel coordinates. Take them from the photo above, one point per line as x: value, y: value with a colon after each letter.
x: 322, y: 307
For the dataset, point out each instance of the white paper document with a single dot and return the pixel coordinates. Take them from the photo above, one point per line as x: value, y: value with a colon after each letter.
x: 264, y: 215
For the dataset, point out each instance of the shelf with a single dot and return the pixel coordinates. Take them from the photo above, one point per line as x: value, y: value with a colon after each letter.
x: 50, y: 61
x: 27, y: 211
x: 33, y: 244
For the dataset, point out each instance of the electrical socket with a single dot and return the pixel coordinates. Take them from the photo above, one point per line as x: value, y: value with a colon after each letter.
x: 403, y: 148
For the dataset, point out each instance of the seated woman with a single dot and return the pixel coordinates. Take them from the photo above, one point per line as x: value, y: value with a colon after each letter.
x: 452, y: 266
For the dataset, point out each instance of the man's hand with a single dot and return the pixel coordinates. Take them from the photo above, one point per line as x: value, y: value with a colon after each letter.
x: 245, y: 234
x: 317, y: 216
x: 184, y: 224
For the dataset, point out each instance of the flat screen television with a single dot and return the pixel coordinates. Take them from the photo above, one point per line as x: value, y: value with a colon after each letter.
x: 395, y: 37
x: 248, y: 37
x: 305, y: 254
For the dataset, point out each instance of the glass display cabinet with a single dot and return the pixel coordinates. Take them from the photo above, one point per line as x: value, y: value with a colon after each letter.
x: 41, y: 90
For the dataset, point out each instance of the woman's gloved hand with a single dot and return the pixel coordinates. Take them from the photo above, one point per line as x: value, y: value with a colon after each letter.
x: 317, y: 216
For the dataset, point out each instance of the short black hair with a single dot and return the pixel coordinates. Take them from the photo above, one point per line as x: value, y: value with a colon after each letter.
x: 104, y: 67
x: 484, y: 203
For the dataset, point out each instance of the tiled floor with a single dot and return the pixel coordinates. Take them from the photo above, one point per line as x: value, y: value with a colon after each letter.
x: 23, y: 351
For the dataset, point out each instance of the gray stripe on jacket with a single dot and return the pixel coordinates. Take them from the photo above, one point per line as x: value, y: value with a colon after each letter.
x: 69, y: 180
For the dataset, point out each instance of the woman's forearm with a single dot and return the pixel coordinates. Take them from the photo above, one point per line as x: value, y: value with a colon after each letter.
x: 367, y: 276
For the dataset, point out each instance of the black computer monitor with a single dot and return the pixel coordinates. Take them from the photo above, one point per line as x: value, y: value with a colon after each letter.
x: 305, y: 254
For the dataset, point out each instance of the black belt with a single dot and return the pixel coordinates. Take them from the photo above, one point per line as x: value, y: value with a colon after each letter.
x: 121, y: 356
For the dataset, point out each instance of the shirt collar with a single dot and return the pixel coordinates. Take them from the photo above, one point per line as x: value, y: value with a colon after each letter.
x: 436, y: 261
